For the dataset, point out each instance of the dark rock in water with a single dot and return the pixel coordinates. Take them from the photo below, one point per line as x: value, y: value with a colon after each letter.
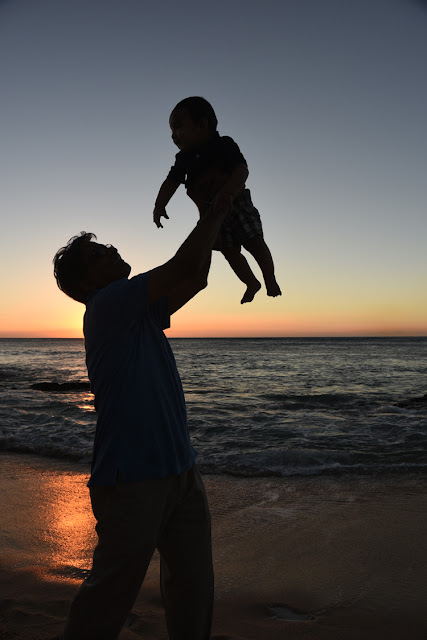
x: 63, y: 387
x: 420, y: 401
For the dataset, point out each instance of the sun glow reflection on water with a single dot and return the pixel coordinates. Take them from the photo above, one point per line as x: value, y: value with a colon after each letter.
x: 86, y: 403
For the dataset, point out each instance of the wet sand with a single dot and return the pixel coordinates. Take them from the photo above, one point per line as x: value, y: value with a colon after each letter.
x: 344, y: 557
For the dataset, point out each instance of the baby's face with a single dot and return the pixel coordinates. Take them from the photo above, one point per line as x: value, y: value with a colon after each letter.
x: 186, y: 134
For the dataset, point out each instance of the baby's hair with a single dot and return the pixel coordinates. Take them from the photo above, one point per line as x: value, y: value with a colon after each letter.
x: 199, y: 108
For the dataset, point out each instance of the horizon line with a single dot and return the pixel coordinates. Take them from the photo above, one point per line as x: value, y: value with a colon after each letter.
x: 255, y: 337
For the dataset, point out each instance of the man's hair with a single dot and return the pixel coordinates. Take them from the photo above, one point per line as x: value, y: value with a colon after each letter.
x: 199, y: 108
x: 69, y: 266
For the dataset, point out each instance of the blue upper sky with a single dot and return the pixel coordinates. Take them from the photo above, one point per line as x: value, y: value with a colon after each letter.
x: 326, y: 99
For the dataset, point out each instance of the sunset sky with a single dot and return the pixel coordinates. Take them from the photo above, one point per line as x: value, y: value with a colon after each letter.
x: 327, y: 100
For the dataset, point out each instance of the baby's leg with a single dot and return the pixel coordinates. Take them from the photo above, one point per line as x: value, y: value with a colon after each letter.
x: 258, y: 248
x: 241, y: 268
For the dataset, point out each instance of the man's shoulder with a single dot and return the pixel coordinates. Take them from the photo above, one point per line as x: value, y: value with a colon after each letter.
x: 115, y: 306
x: 119, y: 289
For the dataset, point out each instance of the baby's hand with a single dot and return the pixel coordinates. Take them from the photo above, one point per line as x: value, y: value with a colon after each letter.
x: 222, y: 203
x: 159, y: 212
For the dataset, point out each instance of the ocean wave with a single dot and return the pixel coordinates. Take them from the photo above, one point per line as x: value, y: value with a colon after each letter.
x: 278, y: 463
x: 297, y: 402
x: 47, y: 448
x: 302, y: 463
x: 10, y: 374
x: 416, y: 402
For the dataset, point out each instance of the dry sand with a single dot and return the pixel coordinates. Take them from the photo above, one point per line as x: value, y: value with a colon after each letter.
x: 345, y: 556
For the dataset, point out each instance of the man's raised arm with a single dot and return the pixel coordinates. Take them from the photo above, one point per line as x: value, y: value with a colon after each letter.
x: 185, y: 274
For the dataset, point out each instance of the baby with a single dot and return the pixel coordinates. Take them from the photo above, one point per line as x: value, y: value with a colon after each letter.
x: 214, y: 173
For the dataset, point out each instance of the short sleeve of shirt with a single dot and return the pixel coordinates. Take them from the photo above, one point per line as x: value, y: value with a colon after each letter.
x: 229, y: 154
x: 178, y: 172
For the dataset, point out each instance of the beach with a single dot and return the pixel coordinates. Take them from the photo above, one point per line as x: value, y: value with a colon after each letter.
x: 344, y: 557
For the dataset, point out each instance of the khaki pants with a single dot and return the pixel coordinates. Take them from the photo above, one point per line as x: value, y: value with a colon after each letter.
x: 170, y: 514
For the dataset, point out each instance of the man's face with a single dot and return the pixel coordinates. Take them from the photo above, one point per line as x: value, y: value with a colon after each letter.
x: 104, y: 265
x: 186, y: 134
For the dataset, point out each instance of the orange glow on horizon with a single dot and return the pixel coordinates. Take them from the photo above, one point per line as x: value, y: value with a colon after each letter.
x: 53, y: 315
x: 231, y: 326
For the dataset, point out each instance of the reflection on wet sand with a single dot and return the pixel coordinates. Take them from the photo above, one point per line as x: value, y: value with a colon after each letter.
x: 48, y: 527
x: 69, y: 535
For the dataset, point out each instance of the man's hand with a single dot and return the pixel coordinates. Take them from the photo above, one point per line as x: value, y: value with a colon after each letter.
x: 159, y: 212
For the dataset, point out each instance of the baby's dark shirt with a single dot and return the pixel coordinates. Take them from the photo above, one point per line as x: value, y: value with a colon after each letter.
x: 221, y: 152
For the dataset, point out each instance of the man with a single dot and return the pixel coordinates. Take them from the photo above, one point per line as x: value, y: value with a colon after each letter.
x: 145, y: 489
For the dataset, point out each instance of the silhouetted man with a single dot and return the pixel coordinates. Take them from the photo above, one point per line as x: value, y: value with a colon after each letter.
x: 145, y: 489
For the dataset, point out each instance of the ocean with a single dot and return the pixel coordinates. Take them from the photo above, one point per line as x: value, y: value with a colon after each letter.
x: 256, y: 407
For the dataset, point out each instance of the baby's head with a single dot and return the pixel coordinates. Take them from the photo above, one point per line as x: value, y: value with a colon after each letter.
x: 193, y: 122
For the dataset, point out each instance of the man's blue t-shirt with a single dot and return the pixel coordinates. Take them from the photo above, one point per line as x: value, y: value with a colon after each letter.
x: 141, y: 430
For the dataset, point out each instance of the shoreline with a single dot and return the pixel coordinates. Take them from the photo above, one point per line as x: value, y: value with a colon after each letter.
x: 346, y: 553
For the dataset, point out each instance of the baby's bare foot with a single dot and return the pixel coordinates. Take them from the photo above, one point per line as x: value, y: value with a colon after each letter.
x: 273, y: 289
x: 250, y: 292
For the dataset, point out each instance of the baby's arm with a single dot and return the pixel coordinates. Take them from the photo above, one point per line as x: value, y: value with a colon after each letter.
x: 166, y: 192
x: 231, y: 187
